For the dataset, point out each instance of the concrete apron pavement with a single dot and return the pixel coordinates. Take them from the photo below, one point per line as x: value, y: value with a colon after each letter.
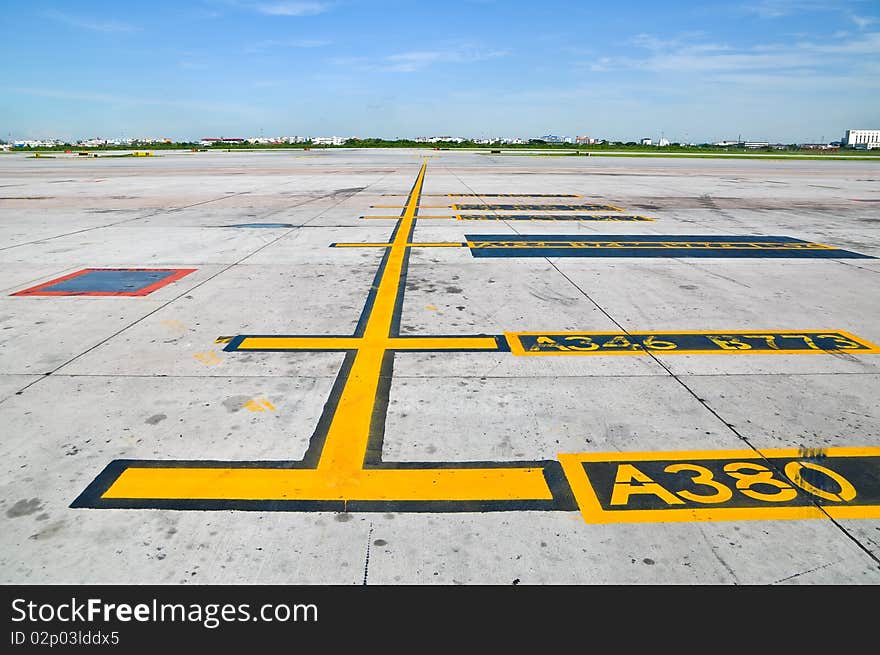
x: 327, y: 397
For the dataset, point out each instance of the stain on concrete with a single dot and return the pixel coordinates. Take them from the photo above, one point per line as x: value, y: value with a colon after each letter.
x: 49, y: 531
x: 235, y: 403
x: 342, y: 517
x: 155, y: 418
x: 24, y: 507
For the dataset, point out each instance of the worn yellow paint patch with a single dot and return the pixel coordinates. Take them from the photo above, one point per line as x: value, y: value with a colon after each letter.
x: 209, y: 358
x: 259, y: 405
x: 173, y: 324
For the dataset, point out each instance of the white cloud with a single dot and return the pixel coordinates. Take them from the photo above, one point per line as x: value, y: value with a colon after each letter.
x: 90, y: 23
x: 863, y: 22
x: 408, y: 62
x: 772, y: 59
x: 416, y: 60
x: 779, y: 8
x: 271, y: 44
x: 122, y: 99
x: 292, y: 8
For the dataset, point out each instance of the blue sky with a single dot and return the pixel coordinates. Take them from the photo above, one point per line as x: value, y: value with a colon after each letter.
x: 774, y: 70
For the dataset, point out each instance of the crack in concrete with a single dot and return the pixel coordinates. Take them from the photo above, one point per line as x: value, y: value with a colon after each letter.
x: 367, y: 560
x: 795, y: 575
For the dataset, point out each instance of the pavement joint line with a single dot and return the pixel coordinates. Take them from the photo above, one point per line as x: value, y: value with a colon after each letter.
x: 42, y: 277
x: 156, y: 212
x: 800, y: 573
x: 128, y: 220
x: 162, y: 306
x: 475, y: 376
x: 367, y: 559
x: 863, y: 268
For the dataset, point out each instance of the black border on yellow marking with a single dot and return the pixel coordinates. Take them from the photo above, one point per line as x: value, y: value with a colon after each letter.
x: 555, y: 217
x: 808, y: 506
x: 526, y: 207
x: 642, y: 245
x: 561, y: 499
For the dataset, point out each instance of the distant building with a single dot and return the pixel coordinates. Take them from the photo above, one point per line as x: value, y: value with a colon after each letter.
x: 862, y: 139
x: 646, y: 141
x: 439, y: 139
x: 329, y: 141
x: 585, y: 140
x: 211, y: 141
x: 552, y: 138
x: 753, y: 144
x: 36, y: 143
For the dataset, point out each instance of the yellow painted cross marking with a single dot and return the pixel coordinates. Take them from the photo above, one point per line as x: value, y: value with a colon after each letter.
x: 340, y: 473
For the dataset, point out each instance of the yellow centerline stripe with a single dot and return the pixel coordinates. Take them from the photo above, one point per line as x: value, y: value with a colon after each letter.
x: 346, y: 443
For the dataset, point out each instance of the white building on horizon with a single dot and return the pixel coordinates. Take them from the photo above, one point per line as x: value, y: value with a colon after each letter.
x: 863, y: 139
x: 329, y: 140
